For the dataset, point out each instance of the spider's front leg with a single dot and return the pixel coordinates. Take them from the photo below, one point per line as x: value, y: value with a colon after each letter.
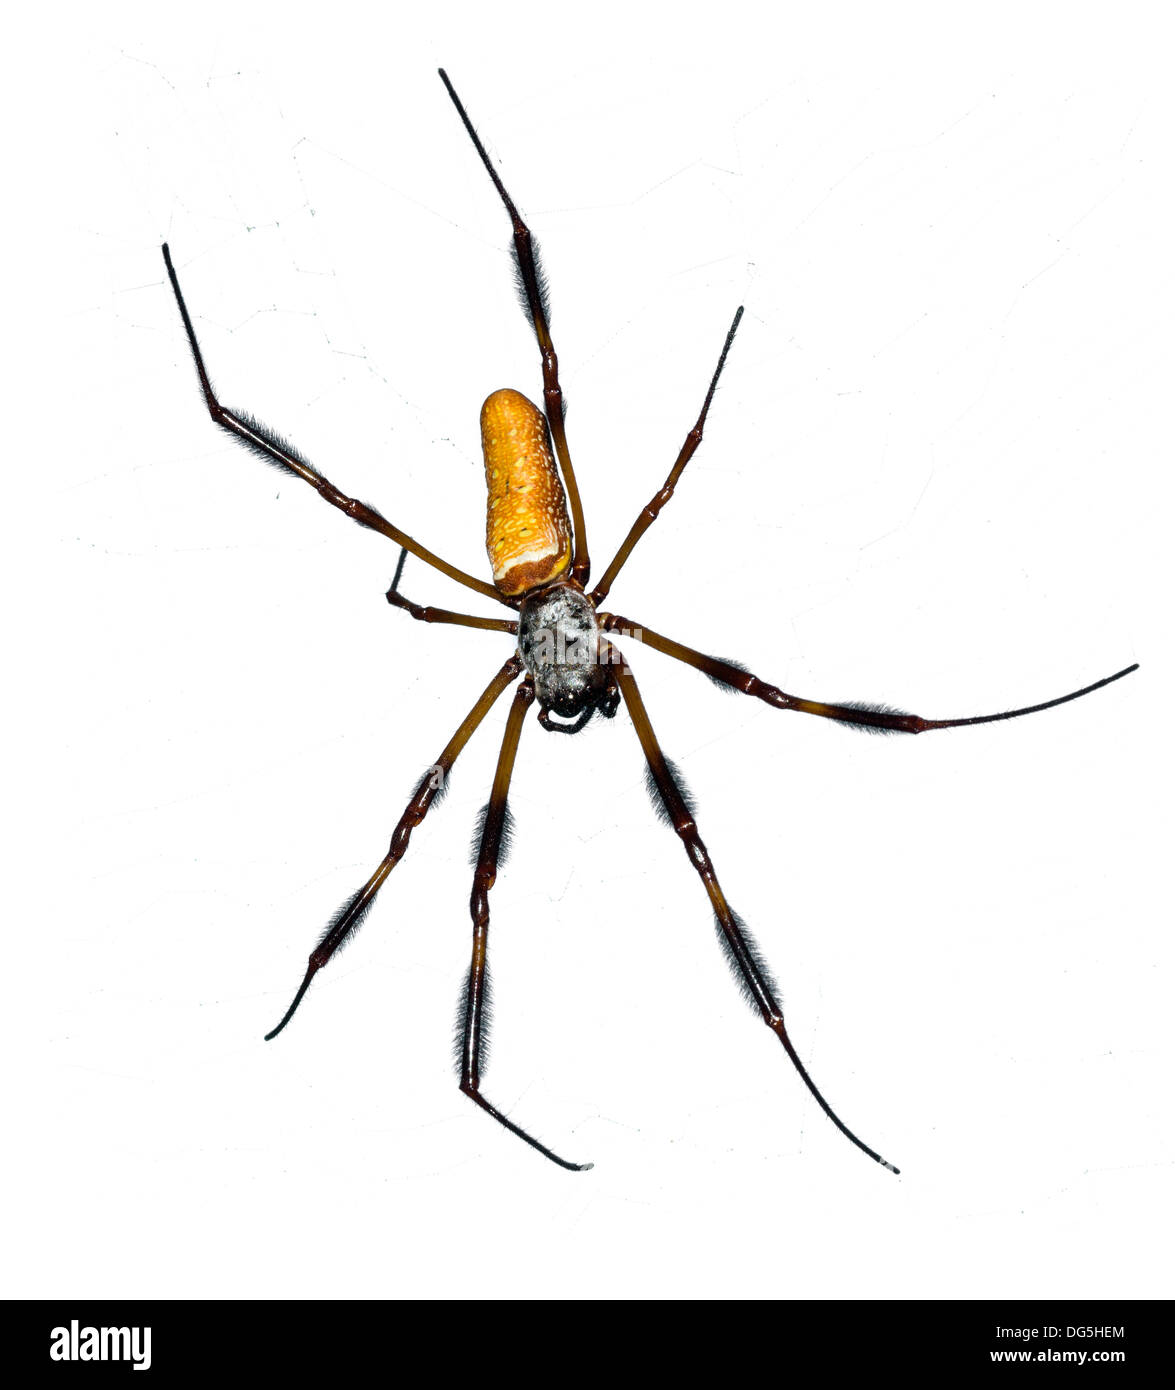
x: 736, y: 940
x: 473, y: 1015
x: 876, y: 719
x: 428, y: 791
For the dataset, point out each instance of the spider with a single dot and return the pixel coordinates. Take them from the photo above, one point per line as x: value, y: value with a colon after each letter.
x: 566, y: 654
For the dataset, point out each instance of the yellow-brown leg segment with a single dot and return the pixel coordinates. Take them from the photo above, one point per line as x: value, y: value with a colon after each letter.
x: 653, y: 510
x: 552, y: 392
x: 442, y: 615
x: 739, y: 946
x: 432, y: 785
x: 474, y: 1006
x: 874, y: 718
x: 261, y: 441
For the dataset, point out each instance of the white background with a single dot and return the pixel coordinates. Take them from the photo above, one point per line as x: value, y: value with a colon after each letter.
x: 937, y: 474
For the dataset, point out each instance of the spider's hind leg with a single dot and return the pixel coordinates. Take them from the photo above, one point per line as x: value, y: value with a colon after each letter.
x: 276, y: 451
x: 533, y: 284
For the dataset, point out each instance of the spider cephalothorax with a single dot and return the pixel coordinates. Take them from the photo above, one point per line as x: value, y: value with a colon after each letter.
x: 539, y: 560
x: 560, y: 645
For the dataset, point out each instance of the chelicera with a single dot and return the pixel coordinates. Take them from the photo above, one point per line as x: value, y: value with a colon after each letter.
x: 566, y: 653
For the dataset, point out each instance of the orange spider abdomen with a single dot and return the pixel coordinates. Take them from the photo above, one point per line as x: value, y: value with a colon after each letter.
x: 528, y: 538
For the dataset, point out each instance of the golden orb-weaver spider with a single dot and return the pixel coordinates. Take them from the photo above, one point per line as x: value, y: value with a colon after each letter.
x: 573, y: 668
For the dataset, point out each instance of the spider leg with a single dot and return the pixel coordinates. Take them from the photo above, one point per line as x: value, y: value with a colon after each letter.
x: 442, y: 615
x: 653, y: 510
x: 736, y: 940
x: 873, y: 718
x: 431, y: 786
x: 473, y: 1013
x: 534, y: 286
x: 256, y: 437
